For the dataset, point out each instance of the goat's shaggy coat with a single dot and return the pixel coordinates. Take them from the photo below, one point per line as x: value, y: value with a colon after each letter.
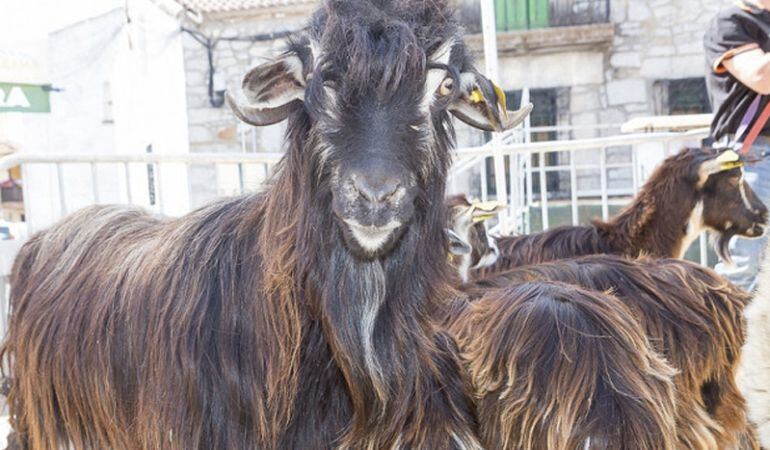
x: 558, y: 368
x: 754, y: 371
x: 290, y: 319
x: 691, y: 316
x: 250, y: 324
x: 670, y: 210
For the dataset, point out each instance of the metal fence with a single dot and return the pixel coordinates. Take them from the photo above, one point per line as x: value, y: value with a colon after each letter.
x: 153, y: 163
x: 532, y: 202
x: 603, y: 171
x: 611, y: 170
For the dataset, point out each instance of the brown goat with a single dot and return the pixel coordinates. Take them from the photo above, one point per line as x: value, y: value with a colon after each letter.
x: 688, y: 193
x: 692, y: 317
x: 301, y: 318
x: 470, y: 246
x: 559, y: 368
x: 304, y: 317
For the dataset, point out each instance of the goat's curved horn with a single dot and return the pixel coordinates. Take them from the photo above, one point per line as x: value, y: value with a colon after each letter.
x: 511, y: 119
x: 481, y: 104
x: 260, y: 116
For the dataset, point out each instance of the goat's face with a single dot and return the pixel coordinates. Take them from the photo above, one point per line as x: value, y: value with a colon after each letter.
x: 373, y: 86
x: 471, y: 247
x: 730, y: 206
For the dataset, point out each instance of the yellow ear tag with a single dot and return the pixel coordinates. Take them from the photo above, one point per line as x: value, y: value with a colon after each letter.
x: 476, y: 96
x: 729, y: 159
x: 501, y: 99
x: 730, y: 165
x: 488, y: 210
x: 482, y: 218
x: 728, y: 156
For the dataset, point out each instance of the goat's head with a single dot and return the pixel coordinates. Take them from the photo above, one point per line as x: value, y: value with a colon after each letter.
x: 373, y: 83
x: 730, y: 206
x: 470, y: 246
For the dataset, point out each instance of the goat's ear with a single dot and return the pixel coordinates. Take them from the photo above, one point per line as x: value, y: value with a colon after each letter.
x: 457, y: 245
x: 726, y: 160
x: 270, y: 92
x: 481, y: 104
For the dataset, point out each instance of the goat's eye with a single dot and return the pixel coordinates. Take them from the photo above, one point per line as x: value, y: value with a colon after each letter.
x: 447, y: 86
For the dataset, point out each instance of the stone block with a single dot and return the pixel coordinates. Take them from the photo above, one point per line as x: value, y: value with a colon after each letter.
x: 666, y: 49
x: 612, y: 116
x: 638, y: 10
x: 622, y: 92
x: 626, y: 59
x: 587, y: 101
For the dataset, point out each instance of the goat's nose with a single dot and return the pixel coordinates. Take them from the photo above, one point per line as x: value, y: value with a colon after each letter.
x: 376, y: 189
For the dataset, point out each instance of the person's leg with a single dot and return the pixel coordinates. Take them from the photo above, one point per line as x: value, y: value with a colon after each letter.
x: 747, y: 253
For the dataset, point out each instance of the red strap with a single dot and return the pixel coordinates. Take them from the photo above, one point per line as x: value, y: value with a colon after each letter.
x: 755, y: 130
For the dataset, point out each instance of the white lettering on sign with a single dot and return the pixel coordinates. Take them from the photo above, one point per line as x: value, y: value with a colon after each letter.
x: 15, y: 98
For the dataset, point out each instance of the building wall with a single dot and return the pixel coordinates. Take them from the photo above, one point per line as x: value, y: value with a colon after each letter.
x: 605, y: 82
x: 611, y: 82
x: 653, y: 40
x: 214, y: 129
x: 119, y: 89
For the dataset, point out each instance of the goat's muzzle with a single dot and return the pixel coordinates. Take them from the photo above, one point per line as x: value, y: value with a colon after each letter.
x: 373, y: 208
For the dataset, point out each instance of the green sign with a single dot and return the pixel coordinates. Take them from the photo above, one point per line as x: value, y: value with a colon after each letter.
x: 29, y: 98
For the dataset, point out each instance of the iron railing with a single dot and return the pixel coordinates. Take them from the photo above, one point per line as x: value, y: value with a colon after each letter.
x: 530, y: 202
x: 592, y: 177
x: 531, y: 206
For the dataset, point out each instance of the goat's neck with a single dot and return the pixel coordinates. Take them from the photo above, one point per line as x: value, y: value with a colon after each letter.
x: 376, y: 316
x: 659, y: 224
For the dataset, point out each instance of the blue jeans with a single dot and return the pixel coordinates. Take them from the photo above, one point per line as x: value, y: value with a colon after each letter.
x: 747, y: 253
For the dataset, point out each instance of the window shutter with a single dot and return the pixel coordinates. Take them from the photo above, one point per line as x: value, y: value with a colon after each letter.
x: 538, y: 13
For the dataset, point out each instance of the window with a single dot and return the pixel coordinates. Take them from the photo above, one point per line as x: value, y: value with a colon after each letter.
x: 521, y: 14
x: 545, y: 114
x: 682, y: 96
x: 527, y: 14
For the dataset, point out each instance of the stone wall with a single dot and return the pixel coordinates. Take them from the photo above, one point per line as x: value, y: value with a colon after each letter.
x: 612, y: 82
x: 215, y: 129
x: 605, y: 75
x: 654, y: 40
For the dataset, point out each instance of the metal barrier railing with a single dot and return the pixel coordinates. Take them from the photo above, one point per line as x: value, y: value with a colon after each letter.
x: 522, y: 198
x: 470, y: 166
x: 127, y: 176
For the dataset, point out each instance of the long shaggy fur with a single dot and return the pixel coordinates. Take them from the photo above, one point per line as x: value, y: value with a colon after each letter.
x: 248, y: 324
x: 691, y: 316
x: 559, y: 368
x: 655, y: 223
x: 754, y: 371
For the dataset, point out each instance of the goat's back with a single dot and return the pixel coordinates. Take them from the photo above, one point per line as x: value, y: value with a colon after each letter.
x: 556, y: 367
x: 692, y: 316
x: 549, y: 245
x: 122, y: 323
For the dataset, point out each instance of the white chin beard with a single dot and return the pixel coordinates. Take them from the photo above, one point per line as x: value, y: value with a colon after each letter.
x: 371, y: 238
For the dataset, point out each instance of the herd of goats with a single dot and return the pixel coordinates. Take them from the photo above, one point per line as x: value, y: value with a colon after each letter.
x: 352, y: 306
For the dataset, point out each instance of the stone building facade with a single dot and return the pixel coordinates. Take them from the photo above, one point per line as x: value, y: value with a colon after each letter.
x: 588, y: 73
